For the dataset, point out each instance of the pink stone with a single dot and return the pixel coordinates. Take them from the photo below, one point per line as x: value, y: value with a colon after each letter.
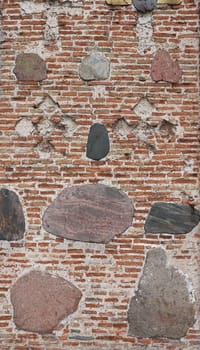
x: 164, y: 68
x: 30, y: 66
x: 41, y: 301
x: 89, y: 213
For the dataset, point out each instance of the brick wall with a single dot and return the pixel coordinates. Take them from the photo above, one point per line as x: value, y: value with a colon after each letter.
x: 146, y: 160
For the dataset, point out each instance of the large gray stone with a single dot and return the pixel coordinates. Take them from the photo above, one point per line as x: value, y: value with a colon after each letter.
x: 171, y: 218
x: 30, y: 66
x: 162, y: 305
x: 98, y: 142
x: 164, y: 68
x: 12, y: 221
x: 95, y: 66
x: 145, y: 5
x: 90, y: 213
x: 41, y: 301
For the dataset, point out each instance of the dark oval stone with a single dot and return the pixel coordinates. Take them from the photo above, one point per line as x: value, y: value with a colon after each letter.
x: 30, y: 66
x: 41, y: 301
x: 12, y: 221
x: 98, y: 144
x: 90, y: 213
x: 145, y: 5
x: 171, y: 218
x: 162, y: 305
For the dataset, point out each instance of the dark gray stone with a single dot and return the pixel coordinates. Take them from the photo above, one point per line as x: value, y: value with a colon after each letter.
x: 95, y: 66
x: 171, y: 218
x: 145, y: 5
x: 12, y: 221
x: 98, y: 142
x: 90, y: 213
x: 30, y: 66
x: 41, y: 301
x: 162, y: 305
x: 164, y: 68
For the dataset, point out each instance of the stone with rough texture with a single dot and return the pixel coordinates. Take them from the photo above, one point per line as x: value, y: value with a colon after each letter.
x: 164, y: 68
x: 41, y: 301
x: 89, y: 213
x: 119, y: 2
x: 12, y: 221
x: 30, y: 66
x: 145, y: 5
x: 163, y: 305
x: 145, y: 34
x: 94, y: 67
x: 171, y: 218
x: 98, y: 142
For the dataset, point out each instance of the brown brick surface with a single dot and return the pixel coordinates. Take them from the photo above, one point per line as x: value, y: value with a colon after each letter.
x: 148, y: 165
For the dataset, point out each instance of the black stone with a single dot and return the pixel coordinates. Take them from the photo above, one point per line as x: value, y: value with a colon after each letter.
x: 171, y: 218
x: 98, y: 142
x: 12, y: 222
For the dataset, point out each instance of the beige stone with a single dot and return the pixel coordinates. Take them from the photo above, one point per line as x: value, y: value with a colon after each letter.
x: 119, y: 2
x: 169, y: 2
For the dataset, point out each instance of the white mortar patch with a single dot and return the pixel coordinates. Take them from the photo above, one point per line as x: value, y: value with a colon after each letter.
x: 69, y: 125
x: 144, y: 33
x: 144, y: 109
x: 122, y: 129
x: 51, y: 28
x: 24, y: 127
x: 98, y: 91
x: 29, y: 7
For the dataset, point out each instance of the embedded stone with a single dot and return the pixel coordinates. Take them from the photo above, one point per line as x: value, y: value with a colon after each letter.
x: 2, y: 36
x: 171, y: 218
x: 40, y: 301
x: 94, y: 67
x: 169, y: 2
x: 164, y: 68
x: 163, y: 305
x: 30, y: 66
x: 145, y: 5
x: 98, y: 142
x: 12, y: 221
x: 89, y: 213
x: 118, y: 2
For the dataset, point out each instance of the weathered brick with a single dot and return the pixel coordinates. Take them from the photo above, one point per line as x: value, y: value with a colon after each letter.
x: 145, y: 163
